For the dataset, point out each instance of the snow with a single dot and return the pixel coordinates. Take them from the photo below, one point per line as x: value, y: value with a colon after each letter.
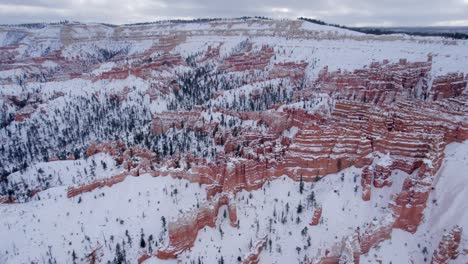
x: 63, y: 224
x: 343, y: 211
x: 52, y: 225
x: 67, y: 172
x: 57, y: 221
x: 446, y: 207
x: 104, y: 67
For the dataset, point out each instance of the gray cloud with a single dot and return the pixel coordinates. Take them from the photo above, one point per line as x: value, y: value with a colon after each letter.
x: 346, y: 12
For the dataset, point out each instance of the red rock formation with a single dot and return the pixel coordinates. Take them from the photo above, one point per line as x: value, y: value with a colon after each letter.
x: 211, y: 53
x: 448, y: 247
x: 366, y: 180
x: 143, y: 258
x: 166, y: 120
x: 350, y: 248
x: 345, y: 251
x: 294, y: 71
x: 74, y: 191
x: 182, y: 234
x: 320, y: 150
x: 253, y: 256
x: 6, y: 200
x: 317, y: 216
x: 411, y: 201
x: 358, y: 132
x: 373, y: 234
x: 377, y: 175
x: 25, y: 112
x: 248, y: 60
x: 380, y: 83
x: 449, y: 85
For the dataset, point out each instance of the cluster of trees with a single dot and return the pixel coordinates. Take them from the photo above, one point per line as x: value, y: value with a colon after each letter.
x: 37, y: 25
x: 387, y: 31
x: 415, y: 32
x: 197, y: 20
x: 68, y: 130
x: 73, y: 121
x: 264, y: 99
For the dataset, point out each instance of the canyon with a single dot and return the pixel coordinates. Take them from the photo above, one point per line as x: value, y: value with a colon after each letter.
x: 238, y: 141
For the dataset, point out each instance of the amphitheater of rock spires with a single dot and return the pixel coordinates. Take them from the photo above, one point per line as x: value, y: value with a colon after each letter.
x: 231, y: 141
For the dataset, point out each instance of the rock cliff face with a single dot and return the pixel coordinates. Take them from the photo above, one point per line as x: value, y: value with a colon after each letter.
x: 253, y: 256
x: 448, y: 246
x: 317, y: 216
x: 198, y: 102
x: 183, y: 232
x: 315, y: 151
x: 377, y: 138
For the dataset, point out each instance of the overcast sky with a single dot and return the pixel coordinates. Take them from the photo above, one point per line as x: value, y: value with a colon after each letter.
x: 345, y: 12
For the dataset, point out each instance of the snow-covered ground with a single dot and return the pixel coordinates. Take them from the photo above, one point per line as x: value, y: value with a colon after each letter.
x: 54, y: 224
x: 446, y: 208
x: 54, y: 227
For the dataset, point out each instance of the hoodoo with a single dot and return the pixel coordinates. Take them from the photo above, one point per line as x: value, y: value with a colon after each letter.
x: 231, y: 141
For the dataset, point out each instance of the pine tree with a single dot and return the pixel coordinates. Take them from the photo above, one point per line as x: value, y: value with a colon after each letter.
x: 142, y: 242
x: 301, y: 185
x: 299, y: 208
x: 74, y: 257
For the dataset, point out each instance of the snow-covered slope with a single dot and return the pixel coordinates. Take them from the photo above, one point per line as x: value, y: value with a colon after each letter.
x: 238, y: 140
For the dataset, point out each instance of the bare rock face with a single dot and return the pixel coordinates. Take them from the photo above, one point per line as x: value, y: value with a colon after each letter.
x: 447, y: 86
x: 317, y: 216
x: 411, y: 201
x: 373, y: 234
x: 182, y: 233
x: 366, y: 180
x: 381, y: 83
x: 75, y: 191
x: 254, y: 254
x: 248, y: 59
x: 448, y: 247
x: 294, y: 71
x: 345, y: 251
x: 6, y: 200
x: 382, y: 176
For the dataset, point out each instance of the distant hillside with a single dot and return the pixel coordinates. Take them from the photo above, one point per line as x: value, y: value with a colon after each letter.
x: 449, y: 32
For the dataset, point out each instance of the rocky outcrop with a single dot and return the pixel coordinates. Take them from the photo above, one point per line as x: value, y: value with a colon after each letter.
x: 295, y: 71
x: 411, y: 201
x: 253, y: 256
x: 248, y: 59
x: 384, y: 83
x: 363, y: 138
x: 77, y: 190
x: 371, y: 119
x: 345, y: 251
x: 448, y: 86
x: 183, y: 232
x: 6, y: 200
x: 143, y: 258
x: 381, y: 83
x: 448, y: 248
x: 178, y: 120
x: 366, y: 181
x: 317, y: 216
x: 374, y: 233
